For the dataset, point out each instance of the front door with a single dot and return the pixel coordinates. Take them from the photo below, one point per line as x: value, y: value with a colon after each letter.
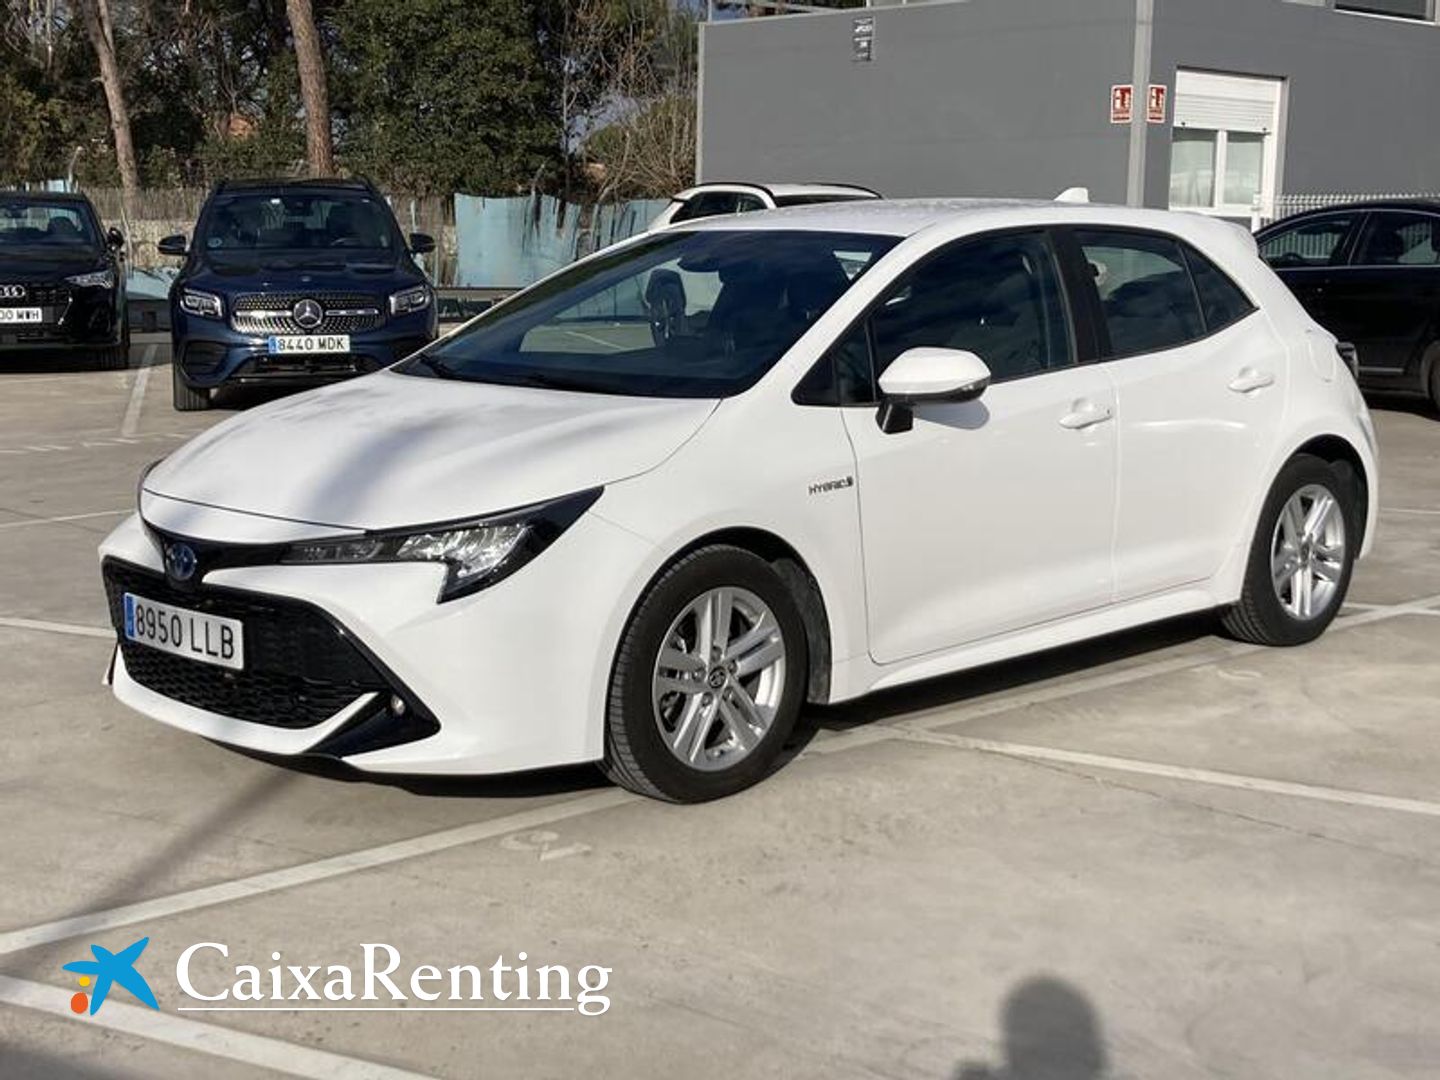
x: 1387, y: 301
x: 995, y: 514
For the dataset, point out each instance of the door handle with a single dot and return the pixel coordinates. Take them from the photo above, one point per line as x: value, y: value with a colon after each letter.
x: 1084, y: 414
x: 1249, y: 379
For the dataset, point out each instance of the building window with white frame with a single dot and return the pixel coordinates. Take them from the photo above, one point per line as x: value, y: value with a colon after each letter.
x: 1225, y: 147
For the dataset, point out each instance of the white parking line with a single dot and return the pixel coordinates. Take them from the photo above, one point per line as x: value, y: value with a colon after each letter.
x: 259, y: 1051
x: 1176, y: 772
x: 137, y: 393
x: 1408, y: 510
x: 61, y: 519
x: 308, y: 873
x: 43, y: 626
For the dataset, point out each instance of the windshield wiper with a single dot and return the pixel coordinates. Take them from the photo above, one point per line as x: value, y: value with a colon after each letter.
x: 440, y: 369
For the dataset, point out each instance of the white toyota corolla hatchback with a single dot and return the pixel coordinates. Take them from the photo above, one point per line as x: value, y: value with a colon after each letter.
x: 642, y: 512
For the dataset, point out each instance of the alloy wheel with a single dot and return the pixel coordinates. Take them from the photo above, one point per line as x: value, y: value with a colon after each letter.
x: 1307, y: 552
x: 719, y: 678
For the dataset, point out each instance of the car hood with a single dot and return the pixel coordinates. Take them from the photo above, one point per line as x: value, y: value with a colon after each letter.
x: 389, y: 450
x: 45, y: 266
x: 293, y: 272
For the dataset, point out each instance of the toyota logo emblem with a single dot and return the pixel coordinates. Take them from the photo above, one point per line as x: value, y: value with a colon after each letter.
x: 12, y: 292
x: 180, y: 561
x: 308, y: 314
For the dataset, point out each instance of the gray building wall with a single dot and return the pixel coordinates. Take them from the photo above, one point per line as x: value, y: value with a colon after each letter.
x: 1359, y: 113
x: 987, y: 97
x: 1010, y: 97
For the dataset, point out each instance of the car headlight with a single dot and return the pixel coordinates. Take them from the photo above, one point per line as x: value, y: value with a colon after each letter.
x: 416, y: 299
x: 207, y: 305
x: 478, y: 552
x: 96, y: 279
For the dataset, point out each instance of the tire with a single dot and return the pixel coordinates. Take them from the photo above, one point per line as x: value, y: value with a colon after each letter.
x: 703, y: 717
x: 117, y: 357
x: 1274, y: 614
x: 1435, y: 381
x: 186, y: 398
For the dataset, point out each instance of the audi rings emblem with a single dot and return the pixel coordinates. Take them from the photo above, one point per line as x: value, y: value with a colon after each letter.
x: 12, y: 292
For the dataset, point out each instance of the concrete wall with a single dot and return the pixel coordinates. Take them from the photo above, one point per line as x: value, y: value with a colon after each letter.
x: 1360, y: 113
x: 985, y: 97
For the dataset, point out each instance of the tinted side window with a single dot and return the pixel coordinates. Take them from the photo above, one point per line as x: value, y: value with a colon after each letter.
x: 1147, y: 302
x: 1311, y: 243
x: 708, y: 204
x: 746, y: 203
x: 1399, y: 239
x: 1221, y: 300
x: 998, y: 297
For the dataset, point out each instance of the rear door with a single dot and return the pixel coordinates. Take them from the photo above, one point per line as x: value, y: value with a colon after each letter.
x: 1387, y: 300
x: 1200, y: 379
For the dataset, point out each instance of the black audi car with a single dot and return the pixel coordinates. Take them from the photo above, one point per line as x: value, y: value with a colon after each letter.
x: 294, y: 282
x: 62, y: 280
x: 1370, y: 274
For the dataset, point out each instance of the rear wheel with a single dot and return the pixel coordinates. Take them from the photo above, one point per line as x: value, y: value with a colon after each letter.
x: 1301, y: 557
x: 708, y: 679
x: 1435, y: 379
x: 186, y: 397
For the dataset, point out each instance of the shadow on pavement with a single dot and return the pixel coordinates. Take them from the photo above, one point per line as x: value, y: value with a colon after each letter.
x: 1049, y: 1031
x: 1010, y: 674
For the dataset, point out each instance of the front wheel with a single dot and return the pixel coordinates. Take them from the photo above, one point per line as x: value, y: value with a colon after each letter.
x: 1301, y: 557
x: 186, y: 397
x: 708, y: 679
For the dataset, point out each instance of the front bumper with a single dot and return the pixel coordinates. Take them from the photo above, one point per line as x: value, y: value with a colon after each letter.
x: 513, y: 677
x: 211, y: 353
x: 71, y: 318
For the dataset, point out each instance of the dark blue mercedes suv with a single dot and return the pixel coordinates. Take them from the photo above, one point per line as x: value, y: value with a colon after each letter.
x: 294, y: 282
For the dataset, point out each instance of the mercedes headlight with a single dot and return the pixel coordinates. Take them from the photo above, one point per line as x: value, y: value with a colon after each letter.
x: 416, y: 299
x: 478, y: 552
x: 207, y: 305
x: 96, y: 279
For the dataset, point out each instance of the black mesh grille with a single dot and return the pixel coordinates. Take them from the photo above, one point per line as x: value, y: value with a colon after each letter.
x: 270, y: 313
x: 300, y: 669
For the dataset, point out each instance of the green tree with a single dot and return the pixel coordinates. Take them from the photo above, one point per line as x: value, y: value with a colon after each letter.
x: 437, y: 96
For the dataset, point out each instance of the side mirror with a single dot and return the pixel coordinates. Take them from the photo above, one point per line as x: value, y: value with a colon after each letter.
x: 421, y: 243
x: 173, y: 245
x: 114, y: 239
x: 922, y: 375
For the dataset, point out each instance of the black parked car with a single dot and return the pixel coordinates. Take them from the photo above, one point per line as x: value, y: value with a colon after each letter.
x: 294, y: 282
x: 1370, y: 274
x: 62, y: 280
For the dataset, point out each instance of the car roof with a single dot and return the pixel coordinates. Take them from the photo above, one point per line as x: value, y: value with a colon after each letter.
x: 273, y: 185
x: 780, y: 191
x: 1421, y: 204
x: 45, y: 197
x: 906, y: 217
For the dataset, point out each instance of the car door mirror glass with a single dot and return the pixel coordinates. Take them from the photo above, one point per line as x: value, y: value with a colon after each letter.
x: 172, y: 245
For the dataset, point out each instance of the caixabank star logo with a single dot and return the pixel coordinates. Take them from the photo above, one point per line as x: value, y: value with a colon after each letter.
x: 106, y: 970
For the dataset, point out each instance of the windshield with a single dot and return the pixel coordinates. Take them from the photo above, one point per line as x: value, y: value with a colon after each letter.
x: 60, y: 226
x: 680, y: 314
x: 305, y: 221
